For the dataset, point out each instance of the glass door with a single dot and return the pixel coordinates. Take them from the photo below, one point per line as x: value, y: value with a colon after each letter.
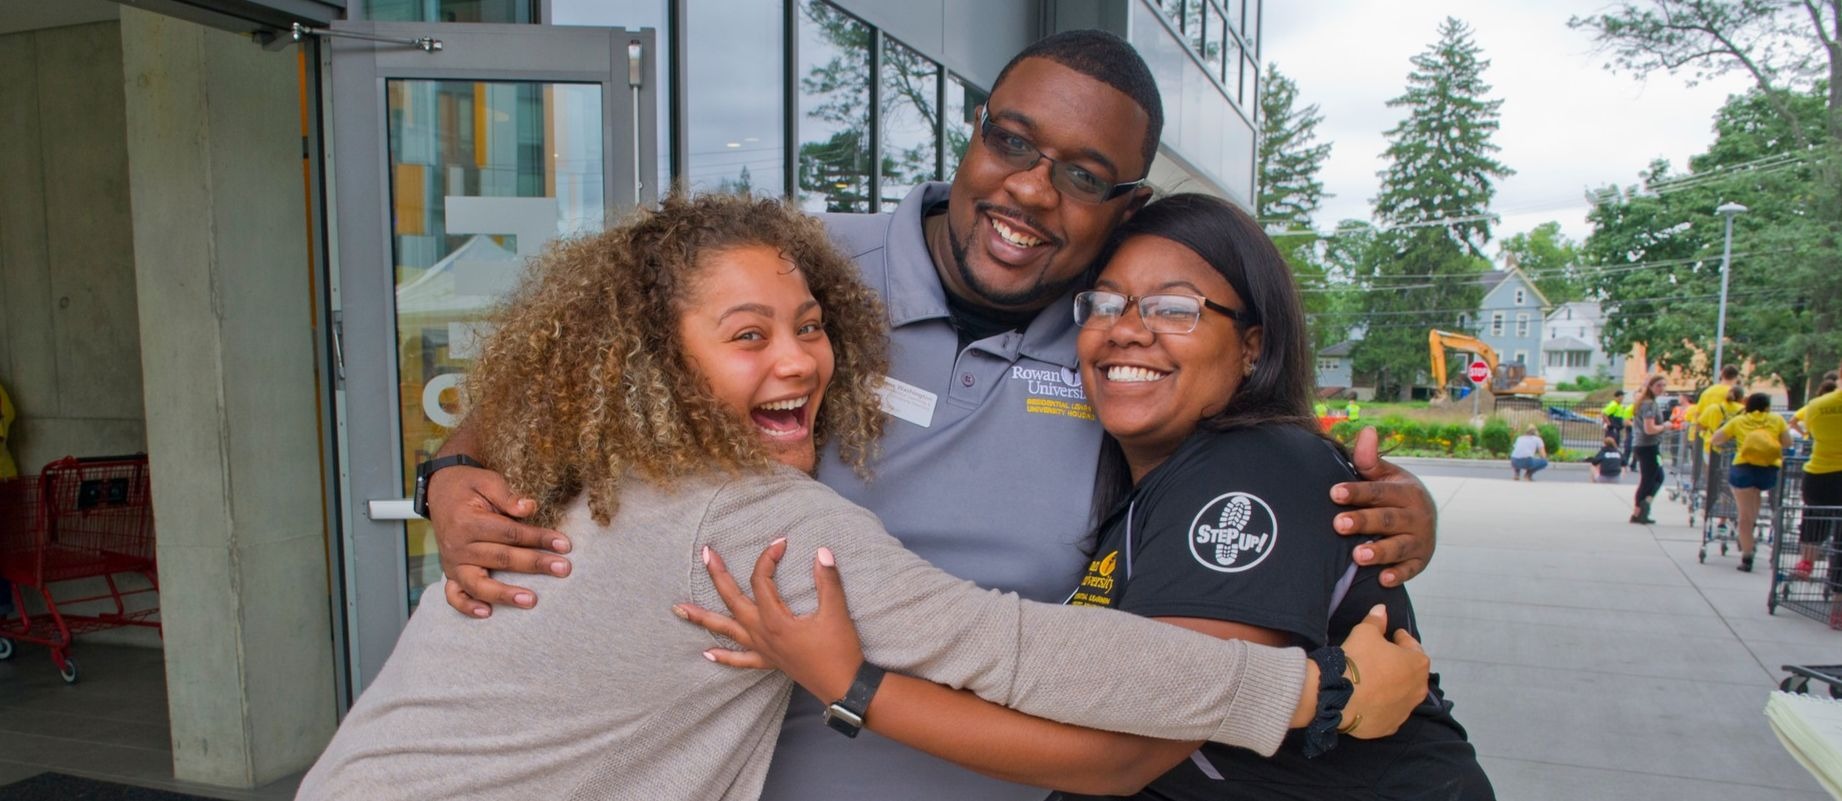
x: 450, y: 167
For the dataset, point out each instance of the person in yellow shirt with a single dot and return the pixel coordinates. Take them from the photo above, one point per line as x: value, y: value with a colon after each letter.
x: 1797, y: 417
x: 1713, y: 411
x: 1822, y: 418
x: 1761, y: 438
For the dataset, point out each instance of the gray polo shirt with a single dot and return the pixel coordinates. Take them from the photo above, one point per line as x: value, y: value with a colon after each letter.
x: 992, y: 484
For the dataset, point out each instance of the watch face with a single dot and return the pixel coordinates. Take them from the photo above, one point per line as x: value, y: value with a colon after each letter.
x: 843, y: 720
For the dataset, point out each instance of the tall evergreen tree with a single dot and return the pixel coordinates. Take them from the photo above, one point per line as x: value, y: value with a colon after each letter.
x: 1433, y: 207
x: 1290, y: 155
x: 1290, y: 193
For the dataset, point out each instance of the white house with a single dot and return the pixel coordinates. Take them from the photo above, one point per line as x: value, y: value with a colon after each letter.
x: 1572, y: 349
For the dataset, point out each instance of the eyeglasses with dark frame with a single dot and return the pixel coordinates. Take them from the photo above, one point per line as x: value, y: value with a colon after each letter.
x: 1162, y: 314
x: 1021, y: 154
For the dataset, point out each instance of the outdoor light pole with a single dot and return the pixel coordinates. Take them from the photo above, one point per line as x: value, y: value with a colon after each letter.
x: 1727, y: 210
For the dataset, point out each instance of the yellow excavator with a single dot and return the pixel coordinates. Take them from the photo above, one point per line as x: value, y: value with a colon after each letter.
x: 1505, y: 379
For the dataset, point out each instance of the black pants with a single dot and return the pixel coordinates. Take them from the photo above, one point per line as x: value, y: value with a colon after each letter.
x: 1650, y: 468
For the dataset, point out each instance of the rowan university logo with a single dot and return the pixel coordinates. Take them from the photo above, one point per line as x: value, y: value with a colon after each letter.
x: 1233, y: 533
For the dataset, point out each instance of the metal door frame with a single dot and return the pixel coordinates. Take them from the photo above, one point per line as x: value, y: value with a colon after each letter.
x: 370, y: 562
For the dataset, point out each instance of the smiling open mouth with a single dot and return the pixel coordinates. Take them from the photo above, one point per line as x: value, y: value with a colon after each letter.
x: 1014, y: 236
x: 1127, y: 374
x: 784, y: 419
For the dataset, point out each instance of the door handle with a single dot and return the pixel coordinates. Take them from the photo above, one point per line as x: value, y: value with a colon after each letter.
x: 391, y: 509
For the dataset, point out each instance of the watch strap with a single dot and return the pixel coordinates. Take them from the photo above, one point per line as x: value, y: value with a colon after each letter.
x: 420, y: 501
x: 846, y: 714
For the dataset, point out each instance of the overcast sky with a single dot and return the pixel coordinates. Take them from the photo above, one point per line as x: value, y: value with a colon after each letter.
x: 1567, y: 123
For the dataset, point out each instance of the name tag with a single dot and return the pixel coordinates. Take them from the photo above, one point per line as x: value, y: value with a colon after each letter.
x: 905, y: 401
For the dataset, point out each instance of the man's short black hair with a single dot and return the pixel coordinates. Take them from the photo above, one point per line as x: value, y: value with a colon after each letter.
x: 1729, y: 373
x: 1110, y: 60
x: 1618, y: 392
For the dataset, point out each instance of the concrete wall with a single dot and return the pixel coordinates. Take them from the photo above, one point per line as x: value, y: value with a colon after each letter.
x: 220, y: 250
x: 69, y: 334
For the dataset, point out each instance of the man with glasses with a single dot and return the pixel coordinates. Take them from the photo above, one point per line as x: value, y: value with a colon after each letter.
x: 987, y: 468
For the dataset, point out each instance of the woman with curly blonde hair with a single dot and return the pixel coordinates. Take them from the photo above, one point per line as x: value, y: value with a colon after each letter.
x: 663, y: 390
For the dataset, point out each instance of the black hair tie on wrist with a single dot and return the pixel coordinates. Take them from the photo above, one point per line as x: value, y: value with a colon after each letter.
x: 1334, y: 691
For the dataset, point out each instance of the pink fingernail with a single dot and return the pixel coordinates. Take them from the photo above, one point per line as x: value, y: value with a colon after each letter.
x: 481, y: 611
x: 679, y: 611
x: 825, y: 558
x: 777, y: 542
x: 706, y: 556
x: 559, y: 568
x: 559, y: 545
x: 523, y: 599
x: 1364, y: 554
x: 710, y: 656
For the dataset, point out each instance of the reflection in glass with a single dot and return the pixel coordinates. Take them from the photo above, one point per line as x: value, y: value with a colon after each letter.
x: 1213, y: 42
x: 515, y: 11
x: 481, y: 176
x: 1234, y: 9
x: 910, y: 121
x: 633, y: 15
x: 1250, y: 27
x: 963, y: 100
x: 1173, y: 10
x: 834, y: 109
x: 733, y: 97
x: 1192, y: 23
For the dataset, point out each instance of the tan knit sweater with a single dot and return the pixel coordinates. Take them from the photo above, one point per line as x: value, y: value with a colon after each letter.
x: 601, y: 693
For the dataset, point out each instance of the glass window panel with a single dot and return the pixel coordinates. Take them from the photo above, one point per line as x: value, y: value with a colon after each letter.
x: 1233, y: 8
x: 516, y: 11
x: 482, y: 175
x: 834, y: 109
x: 1192, y: 23
x: 734, y: 98
x: 1214, y: 41
x: 910, y: 121
x: 1173, y: 10
x: 1250, y: 80
x: 633, y: 15
x: 1250, y: 27
x: 963, y: 100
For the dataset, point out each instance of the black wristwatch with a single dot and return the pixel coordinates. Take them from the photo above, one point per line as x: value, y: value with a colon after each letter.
x: 846, y: 714
x: 420, y: 500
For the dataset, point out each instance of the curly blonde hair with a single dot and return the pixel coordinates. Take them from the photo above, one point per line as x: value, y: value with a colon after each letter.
x: 584, y: 379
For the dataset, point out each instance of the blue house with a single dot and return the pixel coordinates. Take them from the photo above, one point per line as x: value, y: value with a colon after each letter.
x: 1510, y: 317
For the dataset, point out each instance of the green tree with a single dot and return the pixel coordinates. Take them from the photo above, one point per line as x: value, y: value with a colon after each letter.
x: 1550, y: 259
x: 1290, y: 155
x: 1655, y: 250
x: 1433, y: 206
x: 1290, y: 193
x: 1787, y: 48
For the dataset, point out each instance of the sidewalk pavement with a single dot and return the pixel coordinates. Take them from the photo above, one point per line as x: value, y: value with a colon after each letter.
x: 1592, y: 658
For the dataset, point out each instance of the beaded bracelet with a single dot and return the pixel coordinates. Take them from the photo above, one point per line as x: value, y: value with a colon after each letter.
x: 1334, y: 691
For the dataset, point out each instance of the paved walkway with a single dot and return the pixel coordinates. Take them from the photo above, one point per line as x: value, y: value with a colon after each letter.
x: 1596, y: 659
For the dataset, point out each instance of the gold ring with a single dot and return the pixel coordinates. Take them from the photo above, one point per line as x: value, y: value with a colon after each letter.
x: 1355, y: 675
x: 1353, y: 724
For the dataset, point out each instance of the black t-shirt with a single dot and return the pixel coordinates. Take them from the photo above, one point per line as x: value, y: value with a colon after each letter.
x: 1609, y: 460
x: 1236, y: 526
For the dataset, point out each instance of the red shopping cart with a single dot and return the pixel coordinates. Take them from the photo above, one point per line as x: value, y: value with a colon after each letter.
x: 79, y: 519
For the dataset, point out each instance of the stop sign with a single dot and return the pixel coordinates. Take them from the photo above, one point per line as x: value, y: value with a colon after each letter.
x: 1478, y: 372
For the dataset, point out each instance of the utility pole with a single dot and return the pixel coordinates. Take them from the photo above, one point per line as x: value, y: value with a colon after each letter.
x: 1727, y: 210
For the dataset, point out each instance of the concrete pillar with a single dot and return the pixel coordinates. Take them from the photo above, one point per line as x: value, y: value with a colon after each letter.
x: 227, y: 359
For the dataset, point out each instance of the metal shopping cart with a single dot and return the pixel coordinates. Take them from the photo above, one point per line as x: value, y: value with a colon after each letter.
x: 79, y: 519
x: 1801, y: 534
x: 1717, y: 504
